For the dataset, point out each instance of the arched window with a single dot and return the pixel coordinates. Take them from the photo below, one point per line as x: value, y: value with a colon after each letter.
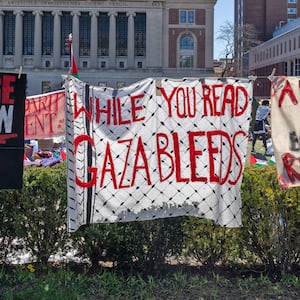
x: 186, y: 42
x: 186, y: 51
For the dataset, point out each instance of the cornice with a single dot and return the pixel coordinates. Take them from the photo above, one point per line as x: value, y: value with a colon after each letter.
x: 51, y: 4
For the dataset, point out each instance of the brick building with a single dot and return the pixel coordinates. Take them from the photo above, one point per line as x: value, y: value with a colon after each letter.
x: 276, y: 24
x: 280, y: 53
x: 266, y: 15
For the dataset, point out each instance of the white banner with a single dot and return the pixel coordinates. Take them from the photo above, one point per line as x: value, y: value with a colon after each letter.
x: 156, y: 149
x: 285, y: 126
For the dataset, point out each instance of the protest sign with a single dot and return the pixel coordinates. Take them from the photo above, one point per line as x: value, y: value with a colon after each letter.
x: 45, y: 115
x: 12, y: 99
x: 156, y: 149
x: 285, y: 126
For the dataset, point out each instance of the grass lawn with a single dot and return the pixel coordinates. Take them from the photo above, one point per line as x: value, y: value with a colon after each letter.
x: 175, y: 282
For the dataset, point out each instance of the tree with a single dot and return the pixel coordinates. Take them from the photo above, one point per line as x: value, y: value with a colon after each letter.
x: 238, y: 40
x: 226, y: 35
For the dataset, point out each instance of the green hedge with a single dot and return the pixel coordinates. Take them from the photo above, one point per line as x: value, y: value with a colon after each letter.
x: 36, y: 218
x: 271, y: 219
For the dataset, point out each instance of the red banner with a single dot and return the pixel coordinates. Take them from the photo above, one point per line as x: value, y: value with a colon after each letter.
x: 45, y: 115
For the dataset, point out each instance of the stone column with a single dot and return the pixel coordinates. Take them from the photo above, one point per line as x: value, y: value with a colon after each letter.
x: 75, y: 35
x: 56, y: 39
x: 94, y: 40
x: 209, y: 38
x: 1, y: 37
x: 130, y: 40
x: 19, y: 39
x: 38, y: 39
x: 112, y: 39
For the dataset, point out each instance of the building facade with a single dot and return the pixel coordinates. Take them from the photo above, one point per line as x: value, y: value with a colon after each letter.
x: 115, y: 43
x: 266, y: 16
x: 281, y: 54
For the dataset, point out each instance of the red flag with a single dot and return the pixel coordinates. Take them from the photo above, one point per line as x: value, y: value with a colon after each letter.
x: 74, y: 69
x: 63, y: 155
x: 252, y: 159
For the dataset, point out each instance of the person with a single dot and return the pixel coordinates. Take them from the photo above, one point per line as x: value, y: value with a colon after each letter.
x: 29, y: 151
x: 262, y: 114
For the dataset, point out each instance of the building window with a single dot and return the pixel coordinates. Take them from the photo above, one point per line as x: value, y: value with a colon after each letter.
x: 120, y: 84
x: 66, y: 64
x: 103, y: 34
x: 185, y: 61
x: 186, y: 42
x: 285, y: 68
x: 139, y: 64
x: 9, y: 33
x: 121, y: 65
x: 85, y: 34
x: 297, y: 67
x: 292, y: 70
x: 285, y: 47
x: 28, y: 33
x: 103, y: 64
x: 66, y: 29
x: 292, y: 10
x: 47, y: 34
x: 187, y: 16
x: 140, y: 34
x: 46, y: 86
x: 186, y: 51
x: 122, y: 34
x: 84, y: 64
x: 47, y: 64
x: 292, y: 1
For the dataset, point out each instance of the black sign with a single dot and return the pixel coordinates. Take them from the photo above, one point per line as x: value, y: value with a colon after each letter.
x: 12, y: 107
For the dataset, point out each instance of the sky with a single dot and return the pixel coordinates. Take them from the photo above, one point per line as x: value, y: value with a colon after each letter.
x: 224, y: 11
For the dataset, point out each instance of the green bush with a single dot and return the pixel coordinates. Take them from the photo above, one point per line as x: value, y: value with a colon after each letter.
x: 159, y: 239
x: 208, y: 243
x: 36, y: 217
x: 145, y: 244
x: 106, y: 242
x: 8, y: 222
x: 271, y: 219
x: 37, y: 212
